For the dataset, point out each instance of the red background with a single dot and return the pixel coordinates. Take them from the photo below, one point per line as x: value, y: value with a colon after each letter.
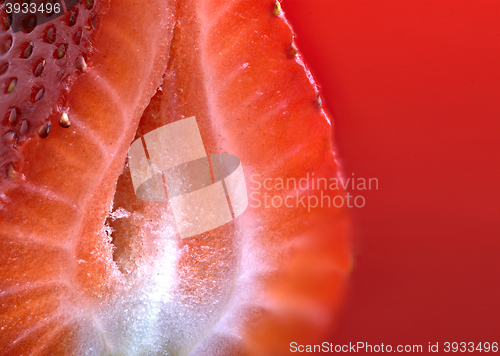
x: 414, y: 90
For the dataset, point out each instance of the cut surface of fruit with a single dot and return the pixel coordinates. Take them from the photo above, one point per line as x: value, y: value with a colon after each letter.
x: 56, y: 187
x: 79, y: 242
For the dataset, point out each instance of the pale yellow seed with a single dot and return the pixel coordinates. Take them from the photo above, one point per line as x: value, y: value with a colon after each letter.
x: 10, y: 172
x: 12, y: 85
x: 277, y: 8
x: 64, y: 121
x: 81, y: 65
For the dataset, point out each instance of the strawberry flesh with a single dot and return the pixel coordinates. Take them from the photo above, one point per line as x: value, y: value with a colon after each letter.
x: 266, y: 276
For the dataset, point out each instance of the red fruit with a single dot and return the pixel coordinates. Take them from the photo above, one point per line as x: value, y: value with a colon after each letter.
x: 272, y: 276
x: 55, y: 191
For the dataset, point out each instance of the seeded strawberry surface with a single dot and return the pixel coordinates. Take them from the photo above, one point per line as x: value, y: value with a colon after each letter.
x: 38, y: 68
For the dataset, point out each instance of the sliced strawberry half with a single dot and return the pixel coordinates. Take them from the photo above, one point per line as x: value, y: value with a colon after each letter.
x: 56, y: 182
x: 236, y: 69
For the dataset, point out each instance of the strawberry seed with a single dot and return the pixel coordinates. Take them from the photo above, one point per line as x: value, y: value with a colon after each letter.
x: 72, y: 18
x: 10, y: 172
x: 64, y: 121
x: 24, y: 128
x: 13, y: 116
x: 28, y: 51
x: 39, y: 93
x: 51, y: 35
x: 10, y: 137
x: 81, y: 65
x: 277, y: 8
x: 12, y: 86
x: 61, y: 51
x: 4, y: 68
x: 39, y: 68
x: 44, y: 130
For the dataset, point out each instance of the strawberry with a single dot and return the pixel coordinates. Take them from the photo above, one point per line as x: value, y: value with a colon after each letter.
x: 57, y: 181
x: 83, y: 276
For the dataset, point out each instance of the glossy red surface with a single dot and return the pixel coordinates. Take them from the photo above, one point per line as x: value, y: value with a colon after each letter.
x: 414, y: 90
